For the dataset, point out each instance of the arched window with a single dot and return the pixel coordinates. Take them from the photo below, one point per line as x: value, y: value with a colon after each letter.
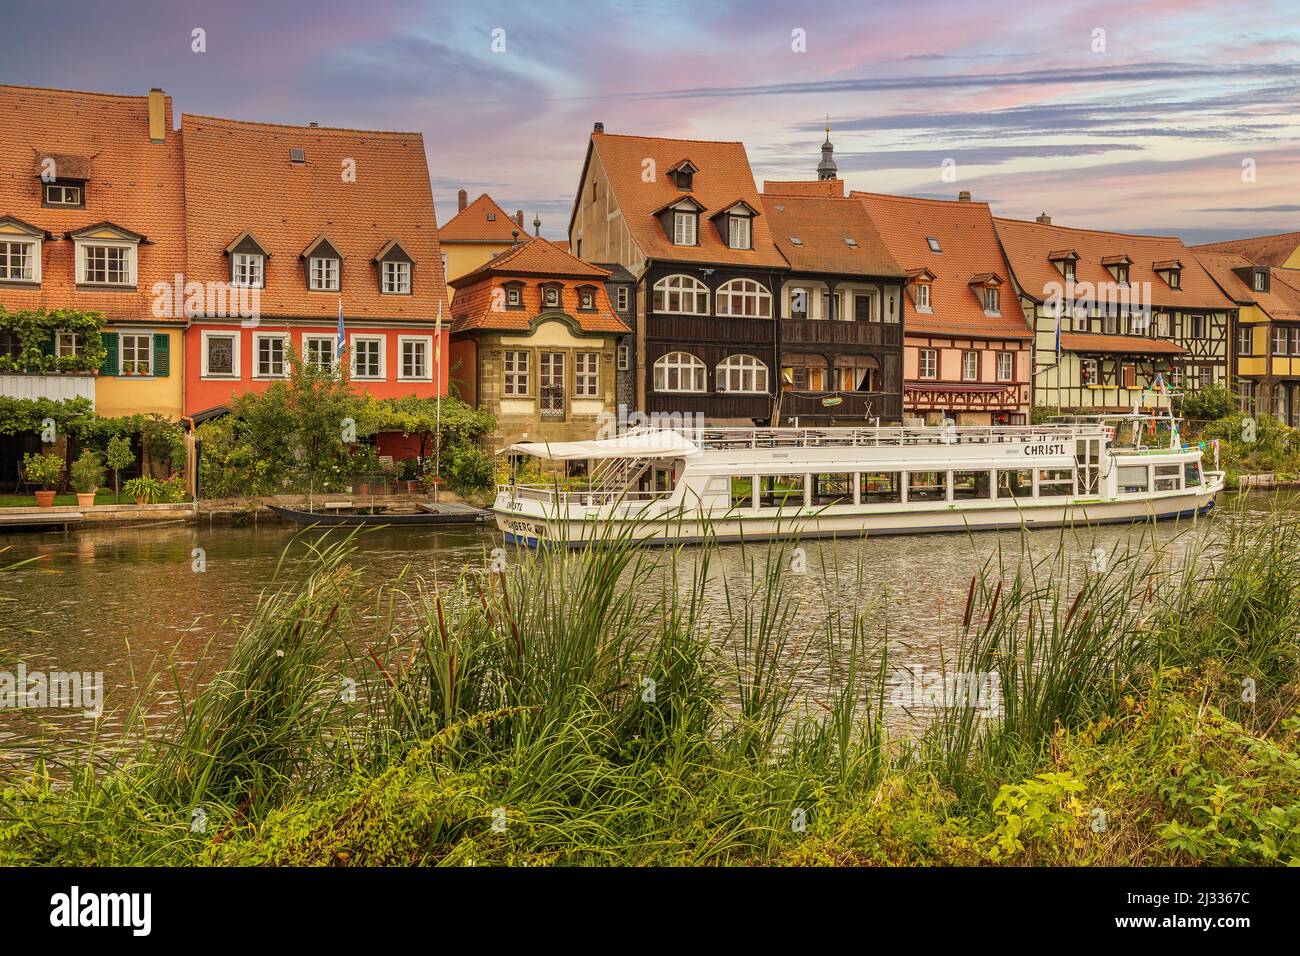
x: 684, y: 295
x: 804, y: 373
x: 745, y: 297
x: 679, y: 372
x: 742, y: 373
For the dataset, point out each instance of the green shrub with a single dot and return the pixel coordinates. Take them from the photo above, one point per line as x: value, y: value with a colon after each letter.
x: 146, y: 489
x: 44, y: 470
x: 87, y: 473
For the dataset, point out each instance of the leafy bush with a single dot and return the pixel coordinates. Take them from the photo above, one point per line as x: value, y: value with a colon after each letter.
x: 43, y: 470
x: 172, y: 489
x: 1206, y: 404
x: 144, y: 489
x: 87, y: 472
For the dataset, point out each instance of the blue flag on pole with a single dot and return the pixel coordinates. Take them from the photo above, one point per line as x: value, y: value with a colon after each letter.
x: 341, y: 336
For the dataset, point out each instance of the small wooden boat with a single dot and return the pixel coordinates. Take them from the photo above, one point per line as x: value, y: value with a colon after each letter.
x: 348, y: 517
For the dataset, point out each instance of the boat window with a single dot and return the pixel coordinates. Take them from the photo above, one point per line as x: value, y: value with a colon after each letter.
x: 1018, y: 483
x: 1133, y: 479
x: 836, y: 489
x: 970, y: 484
x: 926, y: 486
x: 1192, y: 474
x: 779, y: 491
x: 1053, y: 482
x: 742, y: 492
x: 880, y: 487
x: 1167, y: 477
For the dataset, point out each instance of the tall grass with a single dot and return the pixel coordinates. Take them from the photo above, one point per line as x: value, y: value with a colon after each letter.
x: 617, y: 704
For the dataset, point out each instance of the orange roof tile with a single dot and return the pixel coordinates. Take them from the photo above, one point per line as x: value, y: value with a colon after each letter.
x: 724, y: 177
x: 804, y: 187
x: 238, y: 176
x: 481, y: 221
x: 1028, y: 244
x: 1280, y: 302
x: 132, y: 182
x: 969, y: 248
x: 1133, y: 344
x: 821, y: 224
x: 1260, y: 250
x: 536, y: 257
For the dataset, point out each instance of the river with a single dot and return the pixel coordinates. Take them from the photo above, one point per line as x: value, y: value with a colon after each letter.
x: 131, y: 602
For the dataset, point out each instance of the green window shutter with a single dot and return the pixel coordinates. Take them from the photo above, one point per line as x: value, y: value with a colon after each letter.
x: 109, y: 367
x: 47, y: 346
x: 161, y: 353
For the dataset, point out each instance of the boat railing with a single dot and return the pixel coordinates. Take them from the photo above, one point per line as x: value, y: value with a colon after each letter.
x: 739, y: 438
x: 590, y: 498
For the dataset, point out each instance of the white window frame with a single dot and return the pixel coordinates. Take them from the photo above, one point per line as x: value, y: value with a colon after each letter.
x: 1245, y: 337
x: 516, y: 382
x: 1093, y: 368
x: 922, y: 297
x: 396, y: 282
x: 79, y: 190
x: 586, y: 380
x: 58, y: 344
x: 1259, y: 281
x: 333, y: 341
x: 682, y: 363
x: 402, y: 342
x: 1009, y: 359
x: 122, y: 336
x: 992, y: 300
x: 686, y: 227
x: 973, y: 356
x: 684, y: 287
x: 353, y: 352
x: 84, y: 245
x: 743, y: 367
x: 739, y: 232
x: 249, y: 264
x: 587, y: 299
x: 751, y: 293
x: 314, y: 283
x: 33, y: 258
x: 207, y: 336
x: 514, y: 295
x: 258, y: 338
x: 548, y: 302
x: 622, y: 298
x: 920, y: 363
x: 624, y: 353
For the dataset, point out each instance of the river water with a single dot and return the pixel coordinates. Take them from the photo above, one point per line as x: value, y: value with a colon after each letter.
x: 129, y: 602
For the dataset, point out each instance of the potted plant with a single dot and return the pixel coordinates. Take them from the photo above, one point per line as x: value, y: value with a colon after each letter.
x: 87, y: 475
x: 145, y: 490
x: 43, y: 471
x: 120, y: 456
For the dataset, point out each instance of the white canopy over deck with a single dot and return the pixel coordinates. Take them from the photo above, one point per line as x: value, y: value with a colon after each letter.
x: 657, y: 444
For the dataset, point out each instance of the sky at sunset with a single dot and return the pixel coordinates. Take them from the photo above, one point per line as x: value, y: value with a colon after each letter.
x: 1134, y: 115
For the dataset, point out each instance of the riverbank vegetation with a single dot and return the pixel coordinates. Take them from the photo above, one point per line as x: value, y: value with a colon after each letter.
x: 615, y: 705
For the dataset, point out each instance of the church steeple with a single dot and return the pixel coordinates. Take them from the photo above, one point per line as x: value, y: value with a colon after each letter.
x: 827, y: 169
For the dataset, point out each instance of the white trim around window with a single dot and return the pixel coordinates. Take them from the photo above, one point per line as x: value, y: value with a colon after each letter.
x: 236, y: 339
x: 135, y: 335
x: 427, y: 342
x: 20, y: 259
x: 323, y: 274
x: 354, y: 353
x: 283, y: 338
x: 248, y: 270
x: 127, y: 269
x: 331, y: 340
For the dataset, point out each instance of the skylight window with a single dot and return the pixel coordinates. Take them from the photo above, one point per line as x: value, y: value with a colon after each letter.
x: 796, y: 240
x: 297, y: 155
x: 934, y: 244
x: 849, y: 240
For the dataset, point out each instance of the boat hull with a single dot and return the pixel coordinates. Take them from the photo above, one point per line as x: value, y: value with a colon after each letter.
x: 354, y: 520
x: 538, y: 529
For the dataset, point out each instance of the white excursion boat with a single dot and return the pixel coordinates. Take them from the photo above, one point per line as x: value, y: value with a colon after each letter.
x: 674, y: 486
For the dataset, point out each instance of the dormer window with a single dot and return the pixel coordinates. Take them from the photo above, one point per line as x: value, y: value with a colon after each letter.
x: 324, y: 266
x: 1118, y: 267
x: 987, y: 286
x: 587, y: 299
x: 1121, y: 274
x: 106, y: 256
x: 551, y: 296
x: 394, y: 267
x: 248, y: 269
x: 738, y: 231
x: 64, y: 193
x: 1064, y: 260
x: 683, y: 175
x: 1261, y: 281
x: 923, y: 296
x: 514, y: 295
x: 1171, y: 270
x: 685, y: 227
x: 991, y: 299
x: 20, y: 251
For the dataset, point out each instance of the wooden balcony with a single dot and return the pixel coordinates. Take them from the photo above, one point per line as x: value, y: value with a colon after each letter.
x: 816, y: 332
x: 712, y: 405
x: 841, y: 406
x: 711, y: 328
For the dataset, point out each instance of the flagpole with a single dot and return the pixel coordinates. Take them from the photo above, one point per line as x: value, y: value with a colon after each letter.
x: 437, y: 398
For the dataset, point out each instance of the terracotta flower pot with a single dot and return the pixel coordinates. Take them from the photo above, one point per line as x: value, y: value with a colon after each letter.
x: 45, y: 499
x: 140, y: 499
x: 85, y: 499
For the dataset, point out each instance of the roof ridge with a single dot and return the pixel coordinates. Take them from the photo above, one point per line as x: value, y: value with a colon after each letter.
x: 858, y: 193
x: 297, y: 126
x: 1226, y: 242
x: 669, y: 139
x: 56, y: 89
x: 1095, y: 232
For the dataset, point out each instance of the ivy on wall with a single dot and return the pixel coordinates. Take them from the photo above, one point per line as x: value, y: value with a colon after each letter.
x: 35, y: 330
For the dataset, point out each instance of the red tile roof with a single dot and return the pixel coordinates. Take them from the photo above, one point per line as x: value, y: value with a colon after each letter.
x: 1280, y: 302
x: 1131, y: 344
x: 1260, y: 250
x: 723, y: 178
x: 970, y: 249
x: 238, y: 176
x: 481, y: 221
x: 1028, y: 245
x: 804, y: 187
x: 480, y: 295
x: 132, y: 182
x: 821, y: 224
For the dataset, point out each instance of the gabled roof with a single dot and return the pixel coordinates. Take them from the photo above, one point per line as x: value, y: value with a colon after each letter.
x: 238, y: 176
x: 723, y: 176
x: 96, y: 230
x: 1282, y: 301
x: 1028, y: 244
x: 534, y: 257
x: 481, y: 221
x: 65, y: 165
x: 821, y: 224
x: 970, y: 248
x: 316, y: 244
x: 753, y: 211
x: 243, y: 237
x: 1261, y: 250
x: 10, y: 224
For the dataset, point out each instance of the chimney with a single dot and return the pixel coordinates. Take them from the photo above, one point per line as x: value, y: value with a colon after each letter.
x: 598, y: 128
x: 314, y: 125
x: 461, y: 199
x: 519, y: 217
x: 964, y: 196
x: 1043, y: 219
x: 157, y: 116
